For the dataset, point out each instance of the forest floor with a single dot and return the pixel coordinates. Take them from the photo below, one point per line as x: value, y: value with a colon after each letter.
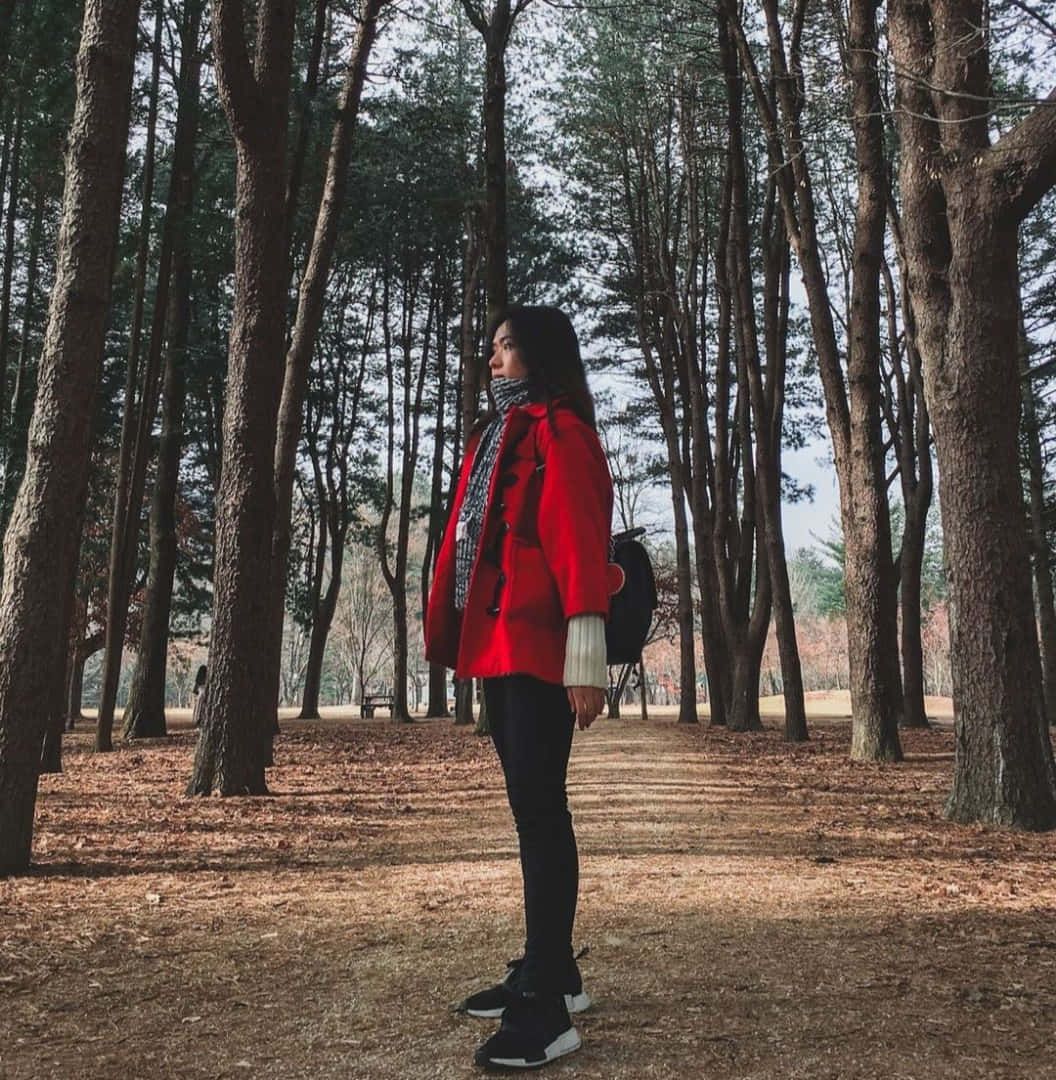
x: 753, y: 910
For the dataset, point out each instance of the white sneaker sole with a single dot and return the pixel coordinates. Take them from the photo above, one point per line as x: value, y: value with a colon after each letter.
x: 575, y: 1003
x: 566, y: 1043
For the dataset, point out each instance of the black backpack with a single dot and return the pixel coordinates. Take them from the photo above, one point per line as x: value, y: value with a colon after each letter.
x: 631, y: 609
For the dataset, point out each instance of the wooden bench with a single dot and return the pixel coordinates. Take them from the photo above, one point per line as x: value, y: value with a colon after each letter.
x: 370, y: 702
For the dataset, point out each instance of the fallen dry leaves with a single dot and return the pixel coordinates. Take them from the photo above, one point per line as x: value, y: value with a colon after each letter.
x: 752, y: 910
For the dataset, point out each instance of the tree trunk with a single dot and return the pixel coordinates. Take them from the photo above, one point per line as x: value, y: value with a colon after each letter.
x: 75, y: 688
x: 695, y: 466
x: 963, y: 278
x: 483, y: 724
x: 317, y: 648
x: 51, y: 752
x: 909, y: 569
x: 776, y: 302
x: 471, y: 372
x: 332, y: 535
x: 687, y: 698
x: 744, y: 712
x: 662, y: 385
x: 235, y: 737
x: 469, y: 391
x: 495, y: 259
x: 8, y: 272
x: 125, y: 534
x: 7, y: 11
x: 872, y: 613
x: 911, y: 434
x: 304, y: 125
x: 145, y: 710
x: 317, y: 642
x: 1003, y: 769
x: 310, y: 301
x: 495, y: 30
x: 716, y: 654
x: 854, y: 417
x: 40, y: 545
x: 1040, y: 558
x: 767, y: 402
x: 400, y: 709
x: 15, y: 457
x: 411, y: 411
x: 437, y: 690
x: 437, y: 693
x: 463, y: 701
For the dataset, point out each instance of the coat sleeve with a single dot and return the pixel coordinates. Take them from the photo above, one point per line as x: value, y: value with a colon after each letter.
x: 575, y: 510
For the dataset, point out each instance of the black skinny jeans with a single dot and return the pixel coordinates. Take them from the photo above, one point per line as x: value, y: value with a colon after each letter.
x: 531, y: 724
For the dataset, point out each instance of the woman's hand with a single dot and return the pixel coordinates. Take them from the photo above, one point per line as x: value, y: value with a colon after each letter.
x: 586, y: 702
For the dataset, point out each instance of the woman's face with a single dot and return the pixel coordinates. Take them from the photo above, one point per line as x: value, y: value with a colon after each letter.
x: 506, y: 360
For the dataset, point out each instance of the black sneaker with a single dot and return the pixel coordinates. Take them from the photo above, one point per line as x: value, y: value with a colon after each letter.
x: 491, y: 1003
x: 535, y: 1030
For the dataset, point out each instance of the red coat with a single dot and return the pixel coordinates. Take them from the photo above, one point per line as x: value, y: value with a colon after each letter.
x: 543, y: 553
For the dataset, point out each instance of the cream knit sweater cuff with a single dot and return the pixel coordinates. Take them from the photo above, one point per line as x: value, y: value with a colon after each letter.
x: 585, y: 652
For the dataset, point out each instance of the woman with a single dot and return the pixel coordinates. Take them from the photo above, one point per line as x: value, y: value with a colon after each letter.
x: 519, y: 600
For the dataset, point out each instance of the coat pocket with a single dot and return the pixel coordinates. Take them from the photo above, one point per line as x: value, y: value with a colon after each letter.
x: 534, y: 598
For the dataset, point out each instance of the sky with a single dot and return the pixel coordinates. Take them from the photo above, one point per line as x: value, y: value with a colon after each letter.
x: 807, y: 522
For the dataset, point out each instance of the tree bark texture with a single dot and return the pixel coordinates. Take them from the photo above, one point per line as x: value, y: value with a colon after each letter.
x: 963, y: 279
x: 145, y: 710
x: 40, y: 544
x: 234, y: 742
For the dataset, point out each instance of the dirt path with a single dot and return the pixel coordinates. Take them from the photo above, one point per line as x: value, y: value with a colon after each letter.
x: 752, y: 911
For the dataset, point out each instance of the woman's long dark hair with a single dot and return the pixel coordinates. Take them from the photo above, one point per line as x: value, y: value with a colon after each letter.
x: 550, y: 350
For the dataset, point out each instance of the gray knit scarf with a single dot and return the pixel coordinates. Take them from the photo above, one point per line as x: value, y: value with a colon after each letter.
x: 507, y: 393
